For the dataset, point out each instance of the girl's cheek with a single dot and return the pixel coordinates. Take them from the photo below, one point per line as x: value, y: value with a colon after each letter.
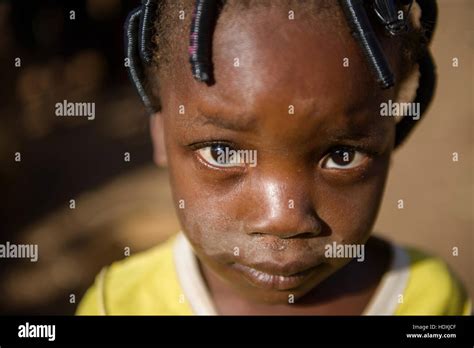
x: 350, y: 212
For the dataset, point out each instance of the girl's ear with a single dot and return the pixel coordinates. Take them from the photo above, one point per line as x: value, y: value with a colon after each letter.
x: 158, y: 138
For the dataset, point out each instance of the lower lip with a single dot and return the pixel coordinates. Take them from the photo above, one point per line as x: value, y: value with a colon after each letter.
x: 273, y: 281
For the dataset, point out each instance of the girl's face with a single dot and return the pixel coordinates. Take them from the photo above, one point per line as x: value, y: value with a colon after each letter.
x: 285, y: 91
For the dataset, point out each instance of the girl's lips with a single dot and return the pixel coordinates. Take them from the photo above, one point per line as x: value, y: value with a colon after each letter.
x: 273, y: 281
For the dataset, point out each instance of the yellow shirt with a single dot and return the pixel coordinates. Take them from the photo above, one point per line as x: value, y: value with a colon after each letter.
x: 165, y: 280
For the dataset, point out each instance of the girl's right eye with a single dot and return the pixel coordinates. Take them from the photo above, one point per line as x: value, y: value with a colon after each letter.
x: 344, y: 158
x: 220, y: 155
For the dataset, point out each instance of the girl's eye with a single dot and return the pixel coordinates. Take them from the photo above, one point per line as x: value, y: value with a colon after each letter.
x: 221, y: 155
x: 343, y: 158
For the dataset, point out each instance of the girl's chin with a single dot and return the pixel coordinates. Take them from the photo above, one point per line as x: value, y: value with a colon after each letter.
x: 273, y: 296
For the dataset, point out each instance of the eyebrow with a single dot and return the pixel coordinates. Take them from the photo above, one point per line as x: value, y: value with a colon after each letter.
x: 239, y: 122
x: 353, y: 135
x: 365, y: 137
x: 245, y: 122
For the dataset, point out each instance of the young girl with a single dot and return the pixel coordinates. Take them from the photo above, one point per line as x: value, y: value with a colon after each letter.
x: 268, y: 116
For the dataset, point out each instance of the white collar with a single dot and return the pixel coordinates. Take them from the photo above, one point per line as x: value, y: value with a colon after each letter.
x: 389, y: 293
x: 190, y: 278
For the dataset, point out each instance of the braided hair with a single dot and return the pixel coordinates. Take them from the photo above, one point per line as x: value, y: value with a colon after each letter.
x: 140, y: 46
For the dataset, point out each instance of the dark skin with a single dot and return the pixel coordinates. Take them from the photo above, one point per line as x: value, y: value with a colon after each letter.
x: 249, y: 208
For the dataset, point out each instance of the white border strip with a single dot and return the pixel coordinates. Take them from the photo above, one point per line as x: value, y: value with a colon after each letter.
x: 190, y: 278
x: 393, y: 284
x: 101, y: 291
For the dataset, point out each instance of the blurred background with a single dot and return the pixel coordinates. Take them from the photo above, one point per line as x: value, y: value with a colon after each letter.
x: 121, y: 204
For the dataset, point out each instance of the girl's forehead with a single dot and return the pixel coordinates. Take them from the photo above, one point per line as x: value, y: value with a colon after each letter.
x: 264, y: 72
x: 274, y: 61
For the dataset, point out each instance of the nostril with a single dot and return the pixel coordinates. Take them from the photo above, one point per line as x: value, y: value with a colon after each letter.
x: 289, y: 235
x: 257, y: 234
x: 304, y: 235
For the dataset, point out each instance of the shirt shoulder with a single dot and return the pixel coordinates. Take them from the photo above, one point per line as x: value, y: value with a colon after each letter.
x: 432, y: 288
x: 142, y: 284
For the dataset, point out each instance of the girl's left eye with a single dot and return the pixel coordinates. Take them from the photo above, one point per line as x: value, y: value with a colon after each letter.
x: 343, y: 158
x: 221, y: 155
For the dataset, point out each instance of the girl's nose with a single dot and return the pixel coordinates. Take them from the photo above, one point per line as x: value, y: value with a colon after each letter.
x: 283, y: 207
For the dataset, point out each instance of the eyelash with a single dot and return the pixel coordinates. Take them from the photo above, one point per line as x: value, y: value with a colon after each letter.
x: 368, y: 153
x: 195, y: 147
x: 200, y: 145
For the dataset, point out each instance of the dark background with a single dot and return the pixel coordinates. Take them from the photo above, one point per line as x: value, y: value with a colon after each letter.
x: 77, y: 60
